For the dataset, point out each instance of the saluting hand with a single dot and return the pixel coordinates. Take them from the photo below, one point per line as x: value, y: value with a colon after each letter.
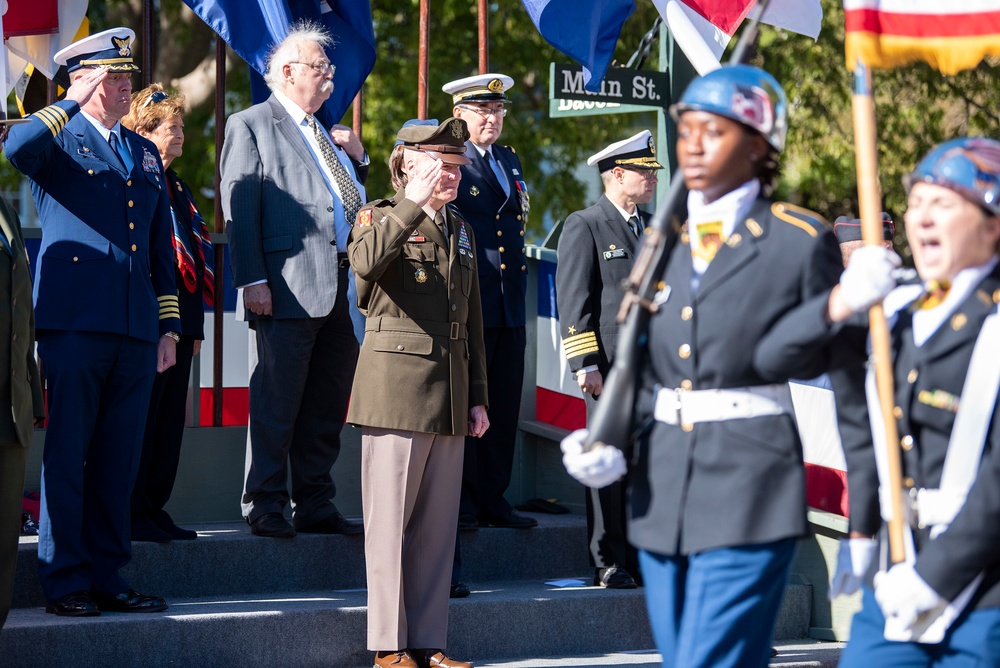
x: 345, y: 138
x: 82, y: 88
x: 422, y: 184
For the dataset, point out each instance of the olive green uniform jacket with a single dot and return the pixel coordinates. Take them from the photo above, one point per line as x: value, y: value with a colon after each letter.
x: 422, y: 364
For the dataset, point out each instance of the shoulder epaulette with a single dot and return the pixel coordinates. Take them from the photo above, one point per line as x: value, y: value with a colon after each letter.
x: 810, y: 222
x: 54, y: 117
x: 510, y: 148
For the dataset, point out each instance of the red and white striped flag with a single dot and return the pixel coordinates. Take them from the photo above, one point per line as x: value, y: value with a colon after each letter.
x: 949, y: 36
x: 703, y: 28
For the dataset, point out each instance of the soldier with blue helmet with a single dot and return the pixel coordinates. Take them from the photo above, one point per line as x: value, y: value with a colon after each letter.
x: 716, y: 481
x: 107, y: 316
x: 493, y: 197
x: 941, y: 605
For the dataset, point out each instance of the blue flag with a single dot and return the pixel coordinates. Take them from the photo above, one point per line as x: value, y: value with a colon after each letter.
x: 585, y: 30
x: 253, y: 27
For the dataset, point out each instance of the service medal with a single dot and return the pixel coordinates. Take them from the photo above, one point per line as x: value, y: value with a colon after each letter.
x: 421, y: 275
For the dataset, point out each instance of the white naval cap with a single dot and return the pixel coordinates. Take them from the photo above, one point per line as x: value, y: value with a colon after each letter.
x: 111, y: 48
x: 479, y: 88
x: 636, y: 152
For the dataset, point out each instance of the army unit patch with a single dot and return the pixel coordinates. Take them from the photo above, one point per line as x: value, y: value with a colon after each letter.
x: 365, y: 218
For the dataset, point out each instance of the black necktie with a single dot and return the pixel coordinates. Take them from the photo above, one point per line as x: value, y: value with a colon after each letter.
x: 634, y: 225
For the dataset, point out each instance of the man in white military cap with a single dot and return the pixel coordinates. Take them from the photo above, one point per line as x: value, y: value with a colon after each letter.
x: 106, y: 313
x: 596, y: 251
x: 493, y: 197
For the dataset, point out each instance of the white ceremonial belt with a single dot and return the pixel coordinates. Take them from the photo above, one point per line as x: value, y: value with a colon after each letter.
x: 930, y: 507
x: 677, y: 406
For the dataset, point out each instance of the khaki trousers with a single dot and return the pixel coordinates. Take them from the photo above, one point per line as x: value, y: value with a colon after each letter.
x: 410, y: 486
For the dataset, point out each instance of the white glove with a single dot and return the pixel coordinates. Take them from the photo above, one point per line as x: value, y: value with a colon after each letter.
x: 868, y: 277
x: 853, y: 560
x: 903, y: 595
x: 598, y: 467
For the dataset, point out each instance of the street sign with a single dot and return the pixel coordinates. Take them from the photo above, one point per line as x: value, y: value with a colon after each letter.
x: 646, y: 88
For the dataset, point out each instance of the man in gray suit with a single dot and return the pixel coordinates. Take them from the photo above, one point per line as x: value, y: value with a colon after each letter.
x: 290, y: 193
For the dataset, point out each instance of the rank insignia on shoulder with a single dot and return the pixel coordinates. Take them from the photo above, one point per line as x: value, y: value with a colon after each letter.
x: 473, y: 191
x: 365, y: 218
x: 149, y: 163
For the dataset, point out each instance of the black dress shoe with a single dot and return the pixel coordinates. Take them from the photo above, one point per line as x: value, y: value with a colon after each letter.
x: 129, y: 601
x: 512, y: 520
x: 467, y: 522
x: 272, y: 525
x: 459, y: 590
x: 144, y: 530
x: 166, y: 523
x: 335, y: 523
x: 76, y: 604
x: 614, y: 577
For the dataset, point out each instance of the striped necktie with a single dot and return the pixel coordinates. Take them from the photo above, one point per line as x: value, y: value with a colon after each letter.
x: 349, y: 194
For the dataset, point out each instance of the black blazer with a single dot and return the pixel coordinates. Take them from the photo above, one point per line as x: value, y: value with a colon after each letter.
x: 498, y: 222
x: 736, y: 482
x: 596, y: 253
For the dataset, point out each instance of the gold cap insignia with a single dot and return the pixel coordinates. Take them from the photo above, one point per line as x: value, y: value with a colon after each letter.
x: 652, y: 146
x: 495, y: 85
x: 473, y: 191
x: 122, y: 44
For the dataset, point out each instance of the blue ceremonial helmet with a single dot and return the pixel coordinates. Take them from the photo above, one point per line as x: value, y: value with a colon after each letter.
x: 745, y: 94
x: 970, y: 166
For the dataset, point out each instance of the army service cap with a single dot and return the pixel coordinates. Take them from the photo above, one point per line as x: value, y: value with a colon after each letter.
x: 849, y: 229
x: 636, y: 152
x: 479, y: 88
x: 110, y: 48
x: 445, y: 142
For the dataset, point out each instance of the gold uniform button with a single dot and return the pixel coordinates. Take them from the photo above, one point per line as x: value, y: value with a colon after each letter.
x: 687, y: 426
x: 76, y: 259
x: 522, y: 233
x: 500, y: 249
x: 684, y: 351
x: 897, y: 413
x: 519, y: 217
x: 523, y: 250
x: 686, y: 385
x: 129, y: 182
x: 912, y: 376
x: 908, y: 483
x: 90, y: 171
x: 687, y: 313
x: 400, y: 347
x: 134, y: 247
x: 503, y: 266
x: 131, y: 226
x: 685, y: 238
x: 906, y: 443
x: 179, y: 187
x: 524, y: 268
x: 498, y: 216
x: 499, y: 233
x: 131, y: 204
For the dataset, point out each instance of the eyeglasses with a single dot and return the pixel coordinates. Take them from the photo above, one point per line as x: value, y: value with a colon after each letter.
x: 484, y: 112
x: 157, y: 97
x: 322, y: 68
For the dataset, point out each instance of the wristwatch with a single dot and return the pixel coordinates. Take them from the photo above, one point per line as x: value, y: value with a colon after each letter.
x: 174, y: 335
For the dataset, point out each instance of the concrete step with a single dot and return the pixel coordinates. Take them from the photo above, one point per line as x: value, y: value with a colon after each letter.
x: 227, y: 559
x: 507, y: 620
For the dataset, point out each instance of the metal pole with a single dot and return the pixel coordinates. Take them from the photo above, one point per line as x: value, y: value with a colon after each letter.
x: 218, y: 309
x: 425, y: 32
x: 147, y: 42
x: 357, y: 119
x: 484, y: 38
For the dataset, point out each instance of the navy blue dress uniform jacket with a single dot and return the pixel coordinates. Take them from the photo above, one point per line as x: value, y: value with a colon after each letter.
x: 94, y: 273
x: 498, y: 222
x: 735, y: 482
x: 596, y: 253
x: 928, y: 390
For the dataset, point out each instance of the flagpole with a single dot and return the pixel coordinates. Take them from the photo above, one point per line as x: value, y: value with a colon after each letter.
x: 484, y: 39
x: 869, y: 203
x: 425, y: 31
x: 218, y: 308
x: 147, y: 46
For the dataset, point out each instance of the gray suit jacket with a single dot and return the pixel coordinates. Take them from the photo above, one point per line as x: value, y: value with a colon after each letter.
x: 279, y: 213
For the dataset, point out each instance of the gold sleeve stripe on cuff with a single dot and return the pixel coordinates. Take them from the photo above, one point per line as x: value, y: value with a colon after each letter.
x: 173, y: 298
x: 579, y: 338
x: 580, y: 353
x: 580, y: 346
x: 170, y: 313
x: 62, y: 118
x: 49, y: 121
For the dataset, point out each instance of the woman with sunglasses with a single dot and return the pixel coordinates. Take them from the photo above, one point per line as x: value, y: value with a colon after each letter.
x: 159, y: 117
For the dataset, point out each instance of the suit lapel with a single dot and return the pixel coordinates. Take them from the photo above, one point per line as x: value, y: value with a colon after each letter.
x: 285, y: 126
x: 740, y: 249
x: 482, y: 168
x: 93, y: 144
x: 617, y: 225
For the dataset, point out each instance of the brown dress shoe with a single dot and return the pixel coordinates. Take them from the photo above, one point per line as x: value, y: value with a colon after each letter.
x: 397, y: 659
x: 435, y: 658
